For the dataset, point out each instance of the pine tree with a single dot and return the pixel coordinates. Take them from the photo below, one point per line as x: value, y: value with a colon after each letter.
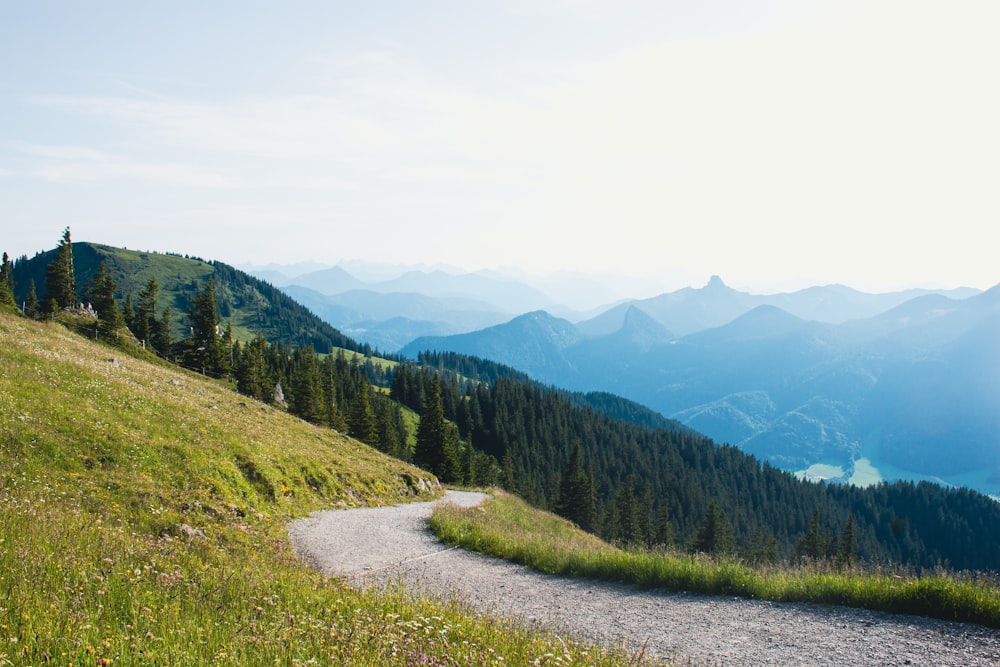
x: 456, y: 456
x: 128, y: 314
x: 623, y: 520
x: 60, y: 280
x: 761, y: 548
x: 226, y: 351
x: 508, y: 475
x: 430, y: 453
x: 810, y: 546
x: 576, y: 501
x: 144, y: 320
x: 6, y: 282
x: 391, y: 429
x: 664, y: 536
x: 304, y: 386
x: 31, y: 301
x: 109, y: 317
x: 715, y: 535
x: 204, y: 348
x: 361, y: 422
x: 252, y: 376
x: 846, y: 547
x: 163, y: 340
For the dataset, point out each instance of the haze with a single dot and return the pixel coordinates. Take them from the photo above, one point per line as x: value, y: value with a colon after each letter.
x: 776, y: 145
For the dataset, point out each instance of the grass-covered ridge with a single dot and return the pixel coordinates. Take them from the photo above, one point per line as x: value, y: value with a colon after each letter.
x: 142, y: 522
x: 509, y: 528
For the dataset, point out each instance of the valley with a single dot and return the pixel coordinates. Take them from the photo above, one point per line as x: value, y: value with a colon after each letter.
x: 874, y: 385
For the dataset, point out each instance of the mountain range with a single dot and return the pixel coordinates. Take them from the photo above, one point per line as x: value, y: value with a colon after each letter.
x: 827, y: 381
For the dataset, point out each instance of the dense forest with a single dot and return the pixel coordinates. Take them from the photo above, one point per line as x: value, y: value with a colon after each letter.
x: 613, y: 467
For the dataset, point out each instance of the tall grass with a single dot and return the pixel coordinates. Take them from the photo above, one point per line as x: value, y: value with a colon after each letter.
x: 143, y: 517
x: 507, y: 527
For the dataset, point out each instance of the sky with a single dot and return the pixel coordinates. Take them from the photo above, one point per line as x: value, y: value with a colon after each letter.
x: 779, y: 144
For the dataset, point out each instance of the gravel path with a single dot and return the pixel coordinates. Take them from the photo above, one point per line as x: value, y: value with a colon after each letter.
x: 374, y: 546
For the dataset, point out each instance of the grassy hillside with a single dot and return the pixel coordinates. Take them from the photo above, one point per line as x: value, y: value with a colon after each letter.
x: 142, y: 521
x: 250, y: 305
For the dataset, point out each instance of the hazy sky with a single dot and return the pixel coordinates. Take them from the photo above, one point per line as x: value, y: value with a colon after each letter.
x: 778, y: 144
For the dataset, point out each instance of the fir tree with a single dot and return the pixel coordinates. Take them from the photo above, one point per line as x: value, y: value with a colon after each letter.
x: 715, y: 535
x: 664, y: 535
x: 456, y: 463
x: 128, y: 314
x: 252, y: 376
x: 810, y: 546
x: 430, y: 453
x: 60, y: 280
x: 204, y: 348
x: 846, y: 546
x: 577, y: 501
x: 163, y: 340
x: 6, y: 282
x: 508, y: 476
x: 304, y: 386
x: 361, y: 421
x: 144, y: 320
x: 391, y: 429
x: 109, y: 317
x: 761, y: 548
x: 31, y: 301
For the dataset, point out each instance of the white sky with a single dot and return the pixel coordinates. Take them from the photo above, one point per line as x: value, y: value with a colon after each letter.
x: 779, y: 144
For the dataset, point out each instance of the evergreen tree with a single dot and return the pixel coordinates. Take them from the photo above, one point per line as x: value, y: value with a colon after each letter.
x: 60, y: 280
x: 811, y: 546
x: 846, y: 546
x: 109, y: 317
x: 430, y: 453
x: 331, y: 369
x: 252, y: 376
x: 484, y: 469
x: 456, y: 461
x: 128, y: 314
x: 31, y: 301
x: 576, y: 501
x: 163, y: 340
x: 715, y: 535
x: 6, y: 282
x: 391, y: 428
x: 305, y: 390
x: 361, y: 422
x: 507, y: 473
x: 761, y: 548
x: 226, y: 351
x: 624, y: 522
x: 204, y: 347
x: 144, y: 320
x: 664, y: 535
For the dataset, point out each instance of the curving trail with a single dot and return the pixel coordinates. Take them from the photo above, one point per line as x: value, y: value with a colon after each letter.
x: 375, y: 546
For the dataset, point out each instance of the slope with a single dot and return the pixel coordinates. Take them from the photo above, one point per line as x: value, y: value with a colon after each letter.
x: 142, y: 521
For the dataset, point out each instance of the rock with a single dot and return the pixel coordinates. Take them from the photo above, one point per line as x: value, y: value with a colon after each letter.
x: 190, y: 532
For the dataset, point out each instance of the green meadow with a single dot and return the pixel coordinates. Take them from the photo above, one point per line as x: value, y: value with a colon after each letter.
x: 143, y: 515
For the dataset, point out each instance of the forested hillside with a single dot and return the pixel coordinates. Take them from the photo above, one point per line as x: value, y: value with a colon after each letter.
x: 651, y: 486
x: 247, y: 304
x: 611, y: 466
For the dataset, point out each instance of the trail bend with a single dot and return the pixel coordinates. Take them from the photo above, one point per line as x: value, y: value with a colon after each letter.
x: 376, y: 546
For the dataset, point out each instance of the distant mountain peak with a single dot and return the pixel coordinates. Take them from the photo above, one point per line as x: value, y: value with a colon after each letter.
x: 641, y: 329
x: 715, y: 282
